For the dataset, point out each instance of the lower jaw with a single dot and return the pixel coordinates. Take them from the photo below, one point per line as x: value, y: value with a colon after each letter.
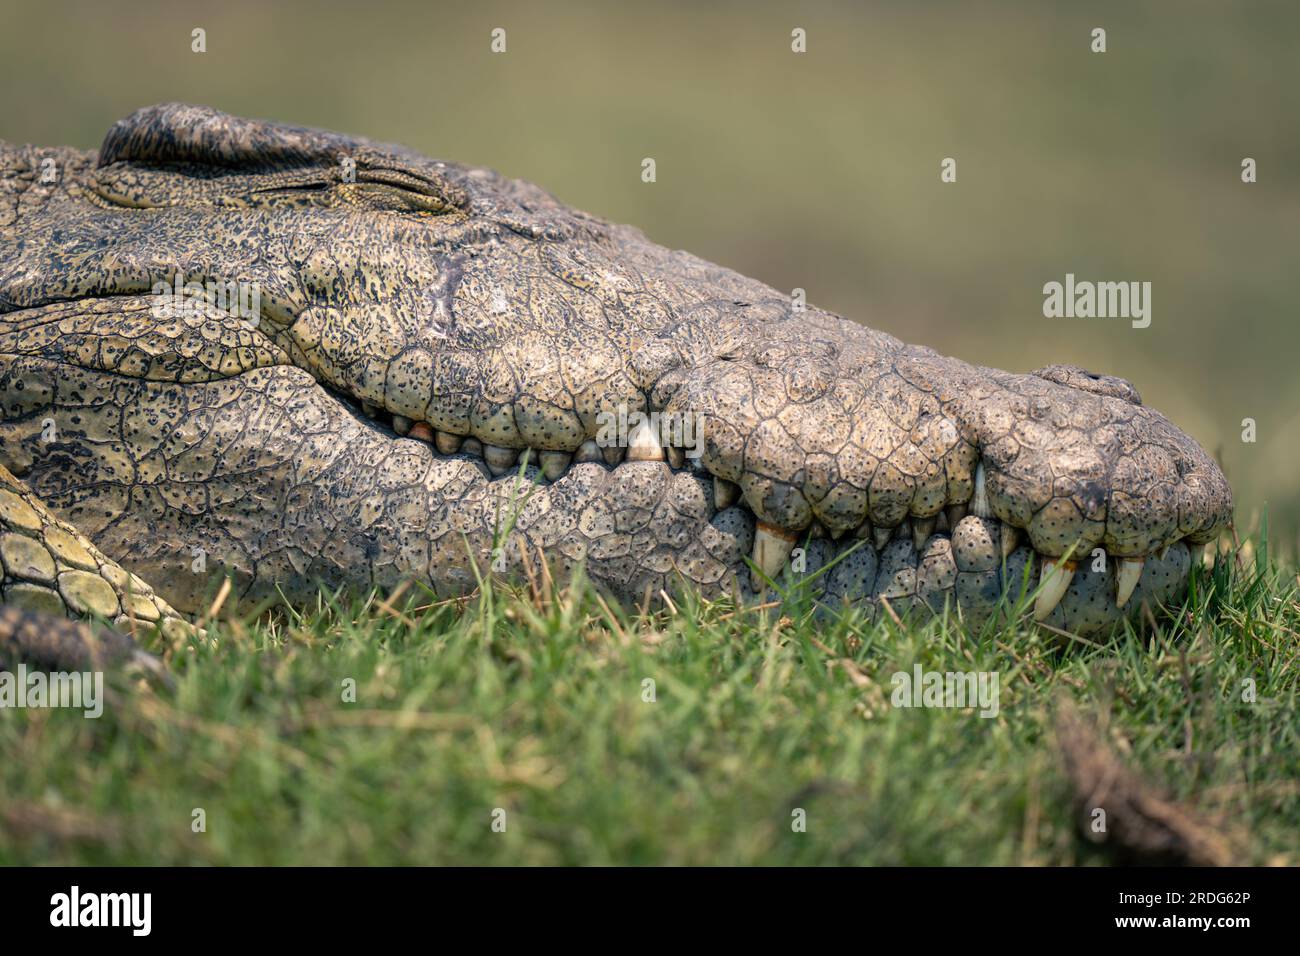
x: 894, y: 578
x: 638, y: 531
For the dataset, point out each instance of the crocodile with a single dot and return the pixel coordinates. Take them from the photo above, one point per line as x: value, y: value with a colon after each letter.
x: 297, y: 359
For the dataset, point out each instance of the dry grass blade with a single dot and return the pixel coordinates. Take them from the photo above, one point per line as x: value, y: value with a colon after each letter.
x: 1141, y: 825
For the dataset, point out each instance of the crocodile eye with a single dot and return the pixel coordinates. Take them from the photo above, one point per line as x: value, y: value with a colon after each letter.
x: 140, y: 186
x: 385, y: 197
x: 134, y: 186
x: 178, y: 155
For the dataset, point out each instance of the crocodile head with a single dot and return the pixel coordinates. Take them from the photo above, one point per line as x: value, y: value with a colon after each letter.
x: 302, y: 358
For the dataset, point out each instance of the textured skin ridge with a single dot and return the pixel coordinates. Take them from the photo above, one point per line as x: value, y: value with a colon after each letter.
x: 388, y: 284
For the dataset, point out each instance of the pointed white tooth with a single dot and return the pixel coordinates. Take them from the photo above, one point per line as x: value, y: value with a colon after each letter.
x: 1130, y: 571
x: 880, y: 537
x: 979, y: 501
x: 447, y: 443
x: 643, y: 444
x: 955, y: 514
x: 472, y: 446
x: 863, y: 531
x: 588, y: 451
x: 499, y: 460
x: 922, y: 528
x: 725, y: 493
x: 555, y: 464
x: 1010, y: 538
x: 772, y: 546
x: 1054, y: 580
x: 676, y: 457
x: 421, y: 432
x: 401, y: 424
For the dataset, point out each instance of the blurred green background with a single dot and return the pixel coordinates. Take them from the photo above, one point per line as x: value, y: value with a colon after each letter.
x: 820, y: 170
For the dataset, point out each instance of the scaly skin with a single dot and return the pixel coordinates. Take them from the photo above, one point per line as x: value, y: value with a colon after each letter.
x: 53, y: 572
x: 414, y: 291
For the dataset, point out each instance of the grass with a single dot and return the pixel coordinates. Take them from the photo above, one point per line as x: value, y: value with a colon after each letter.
x: 536, y: 702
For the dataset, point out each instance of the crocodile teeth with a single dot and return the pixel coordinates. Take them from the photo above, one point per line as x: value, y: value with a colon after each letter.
x: 922, y: 528
x: 588, y: 451
x: 613, y: 455
x: 941, y: 525
x: 643, y: 444
x: 555, y: 464
x: 1054, y: 580
x: 447, y: 443
x: 1130, y: 570
x: 421, y: 432
x: 863, y: 531
x: 1010, y: 538
x: 471, y: 446
x: 401, y: 424
x: 955, y: 514
x: 772, y: 546
x: 499, y: 460
x: 676, y: 457
x: 725, y: 493
x: 369, y: 409
x: 979, y: 501
x: 880, y: 537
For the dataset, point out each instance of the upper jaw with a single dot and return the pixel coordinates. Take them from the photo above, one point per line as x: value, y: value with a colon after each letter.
x: 827, y: 421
